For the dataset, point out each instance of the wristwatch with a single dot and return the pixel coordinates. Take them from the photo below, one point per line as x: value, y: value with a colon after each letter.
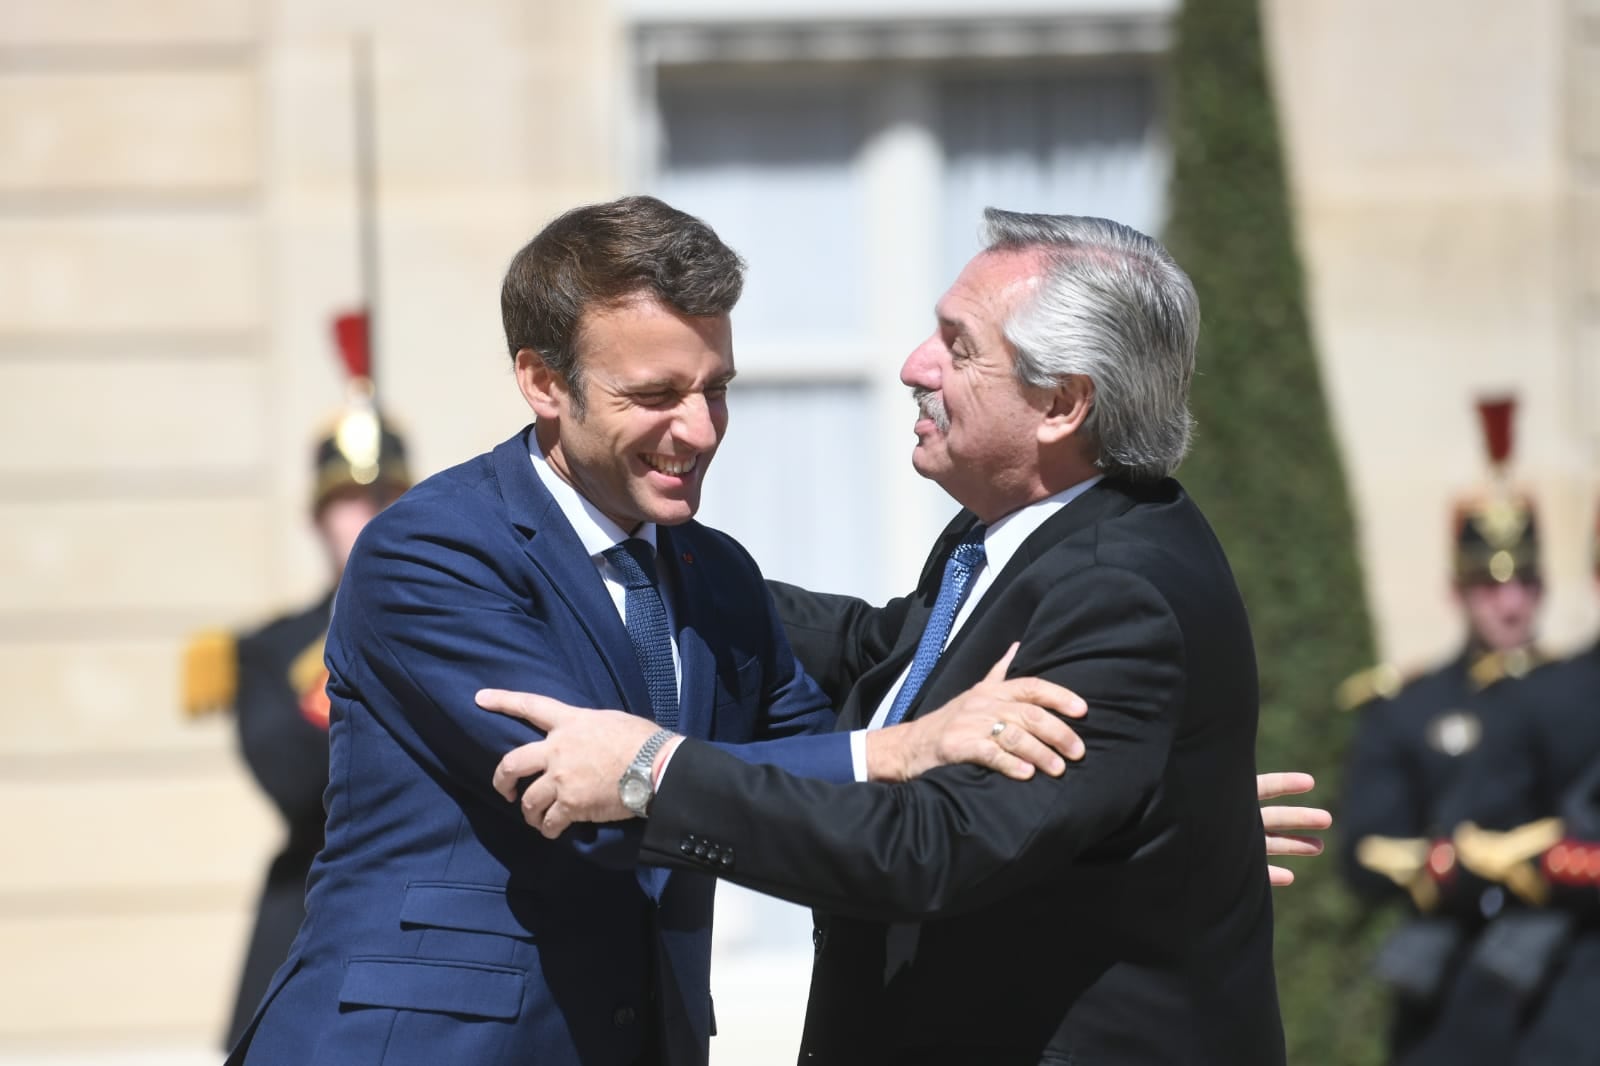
x: 636, y: 787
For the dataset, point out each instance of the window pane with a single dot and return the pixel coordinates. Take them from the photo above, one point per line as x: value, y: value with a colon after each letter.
x: 1079, y: 144
x: 772, y: 166
x: 789, y: 484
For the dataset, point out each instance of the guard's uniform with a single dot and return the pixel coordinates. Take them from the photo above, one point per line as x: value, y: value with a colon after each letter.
x: 1528, y: 814
x: 1535, y: 757
x: 1408, y: 763
x: 1565, y: 769
x: 1411, y: 747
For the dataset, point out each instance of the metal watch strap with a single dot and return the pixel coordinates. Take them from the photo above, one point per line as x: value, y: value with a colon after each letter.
x: 645, y: 760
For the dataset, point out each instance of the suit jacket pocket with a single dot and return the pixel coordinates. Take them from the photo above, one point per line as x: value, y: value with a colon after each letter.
x: 476, y: 990
x: 470, y: 908
x: 741, y: 685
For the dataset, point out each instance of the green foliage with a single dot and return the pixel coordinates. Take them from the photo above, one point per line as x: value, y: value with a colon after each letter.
x: 1267, y: 471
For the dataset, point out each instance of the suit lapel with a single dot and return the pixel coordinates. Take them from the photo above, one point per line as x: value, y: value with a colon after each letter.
x: 873, y: 685
x: 1106, y: 499
x: 869, y: 690
x: 555, y: 550
x: 691, y: 616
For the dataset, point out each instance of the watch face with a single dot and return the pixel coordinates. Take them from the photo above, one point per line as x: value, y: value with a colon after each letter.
x: 635, y: 793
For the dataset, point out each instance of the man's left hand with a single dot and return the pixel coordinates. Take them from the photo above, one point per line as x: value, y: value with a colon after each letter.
x: 578, y: 764
x: 1285, y: 825
x: 1013, y: 726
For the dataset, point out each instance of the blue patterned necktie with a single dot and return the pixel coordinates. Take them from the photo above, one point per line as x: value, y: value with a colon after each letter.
x: 646, y: 618
x: 959, y: 569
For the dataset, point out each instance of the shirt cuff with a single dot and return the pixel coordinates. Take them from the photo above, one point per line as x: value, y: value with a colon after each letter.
x: 665, y: 760
x: 858, y: 753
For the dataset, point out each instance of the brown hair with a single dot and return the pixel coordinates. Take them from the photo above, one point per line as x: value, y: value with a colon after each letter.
x: 597, y: 256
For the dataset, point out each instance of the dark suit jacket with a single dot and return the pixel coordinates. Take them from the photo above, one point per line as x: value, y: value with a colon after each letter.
x: 1543, y: 735
x: 1406, y: 776
x: 439, y: 927
x: 1119, y: 914
x: 1539, y: 757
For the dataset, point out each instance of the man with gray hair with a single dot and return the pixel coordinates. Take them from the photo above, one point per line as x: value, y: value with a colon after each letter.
x: 1115, y: 914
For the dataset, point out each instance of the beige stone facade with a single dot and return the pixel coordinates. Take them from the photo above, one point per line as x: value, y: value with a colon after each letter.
x: 178, y: 225
x: 1443, y: 167
x: 177, y: 228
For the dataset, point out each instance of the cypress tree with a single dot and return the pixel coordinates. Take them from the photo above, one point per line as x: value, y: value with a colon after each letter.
x: 1267, y: 471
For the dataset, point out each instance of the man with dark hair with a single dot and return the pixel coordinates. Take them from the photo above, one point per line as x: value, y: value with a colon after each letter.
x: 1115, y: 914
x: 439, y: 928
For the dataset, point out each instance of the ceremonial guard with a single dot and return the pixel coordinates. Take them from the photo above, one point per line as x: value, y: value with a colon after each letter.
x: 1528, y: 815
x: 273, y: 677
x: 1416, y: 735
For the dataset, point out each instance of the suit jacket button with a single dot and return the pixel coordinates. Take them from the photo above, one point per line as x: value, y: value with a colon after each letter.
x: 727, y: 859
x: 685, y: 846
x: 700, y: 851
x: 623, y: 1017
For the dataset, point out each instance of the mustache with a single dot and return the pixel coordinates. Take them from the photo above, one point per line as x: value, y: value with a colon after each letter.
x: 931, y: 406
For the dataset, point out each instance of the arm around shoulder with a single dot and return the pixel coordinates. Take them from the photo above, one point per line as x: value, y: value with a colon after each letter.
x: 958, y: 837
x: 433, y: 607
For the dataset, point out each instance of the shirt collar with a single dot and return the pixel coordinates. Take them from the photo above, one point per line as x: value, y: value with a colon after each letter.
x: 595, y: 530
x: 1001, y: 540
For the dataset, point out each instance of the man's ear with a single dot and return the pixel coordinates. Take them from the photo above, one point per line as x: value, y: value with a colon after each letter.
x: 543, y: 388
x: 1070, y: 405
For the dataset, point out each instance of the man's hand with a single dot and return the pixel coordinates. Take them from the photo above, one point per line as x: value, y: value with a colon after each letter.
x: 1003, y: 725
x: 577, y: 765
x: 1282, y: 823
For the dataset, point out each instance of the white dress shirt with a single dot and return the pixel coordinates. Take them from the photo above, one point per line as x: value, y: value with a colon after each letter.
x: 1000, y: 543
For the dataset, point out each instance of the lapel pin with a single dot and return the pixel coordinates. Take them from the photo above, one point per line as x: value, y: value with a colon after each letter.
x: 688, y: 557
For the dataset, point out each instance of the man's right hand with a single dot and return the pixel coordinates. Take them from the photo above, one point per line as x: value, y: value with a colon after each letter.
x: 1014, y: 726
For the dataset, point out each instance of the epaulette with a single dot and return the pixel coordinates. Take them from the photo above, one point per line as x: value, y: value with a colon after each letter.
x: 210, y: 672
x: 1383, y: 681
x: 1495, y: 666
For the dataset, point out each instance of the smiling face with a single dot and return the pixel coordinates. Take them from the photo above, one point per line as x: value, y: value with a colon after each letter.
x: 656, y: 384
x: 978, y: 430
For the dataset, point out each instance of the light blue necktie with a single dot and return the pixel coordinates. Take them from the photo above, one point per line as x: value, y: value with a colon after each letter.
x: 645, y: 615
x: 964, y: 562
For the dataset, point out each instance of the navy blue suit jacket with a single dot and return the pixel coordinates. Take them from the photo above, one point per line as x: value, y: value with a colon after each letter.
x: 439, y: 927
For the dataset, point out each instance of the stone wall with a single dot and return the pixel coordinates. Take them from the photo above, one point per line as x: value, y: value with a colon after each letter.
x: 1430, y: 148
x: 177, y: 228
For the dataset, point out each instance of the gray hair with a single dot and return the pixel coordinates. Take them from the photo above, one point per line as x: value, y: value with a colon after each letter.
x: 1114, y: 307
